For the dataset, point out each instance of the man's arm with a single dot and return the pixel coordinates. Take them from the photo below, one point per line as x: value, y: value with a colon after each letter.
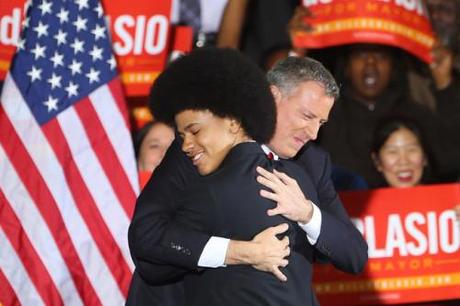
x: 154, y: 239
x: 339, y: 241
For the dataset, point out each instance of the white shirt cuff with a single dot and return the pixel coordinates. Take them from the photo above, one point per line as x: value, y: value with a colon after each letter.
x: 214, y: 252
x: 313, y: 228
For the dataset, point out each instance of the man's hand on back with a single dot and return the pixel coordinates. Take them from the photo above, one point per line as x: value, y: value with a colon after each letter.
x: 265, y: 252
x: 289, y: 198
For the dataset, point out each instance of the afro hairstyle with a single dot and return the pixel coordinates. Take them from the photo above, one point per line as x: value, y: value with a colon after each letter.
x: 222, y: 81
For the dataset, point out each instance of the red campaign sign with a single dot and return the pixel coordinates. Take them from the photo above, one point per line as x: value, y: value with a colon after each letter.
x: 139, y: 30
x: 10, y: 26
x: 144, y: 177
x: 414, y: 248
x: 398, y: 23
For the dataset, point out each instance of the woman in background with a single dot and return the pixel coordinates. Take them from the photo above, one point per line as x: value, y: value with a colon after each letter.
x: 150, y: 145
x: 400, y: 153
x: 401, y: 156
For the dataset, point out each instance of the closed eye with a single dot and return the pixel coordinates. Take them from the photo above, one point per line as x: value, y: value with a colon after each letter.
x: 307, y: 116
x: 193, y: 132
x: 310, y: 116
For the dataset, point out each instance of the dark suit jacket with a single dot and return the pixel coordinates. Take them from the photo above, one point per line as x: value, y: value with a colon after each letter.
x: 158, y: 242
x: 227, y: 204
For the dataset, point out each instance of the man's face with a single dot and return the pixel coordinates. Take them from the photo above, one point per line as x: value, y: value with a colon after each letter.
x: 207, y: 138
x: 300, y: 114
x: 369, y: 71
x: 444, y: 15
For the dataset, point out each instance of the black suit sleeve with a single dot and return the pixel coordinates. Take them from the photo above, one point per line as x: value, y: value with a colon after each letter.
x: 162, y: 249
x: 339, y: 242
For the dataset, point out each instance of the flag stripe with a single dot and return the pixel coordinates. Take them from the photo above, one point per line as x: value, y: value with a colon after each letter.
x: 88, y: 207
x: 43, y: 178
x: 106, y: 156
x: 36, y: 229
x: 7, y: 294
x: 112, y: 119
x: 23, y: 247
x: 118, y: 94
x: 14, y: 271
x: 95, y: 177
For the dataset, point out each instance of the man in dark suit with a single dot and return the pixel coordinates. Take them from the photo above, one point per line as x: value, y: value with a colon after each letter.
x: 304, y: 93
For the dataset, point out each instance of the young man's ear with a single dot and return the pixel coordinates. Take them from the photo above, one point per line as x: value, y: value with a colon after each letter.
x: 235, y: 126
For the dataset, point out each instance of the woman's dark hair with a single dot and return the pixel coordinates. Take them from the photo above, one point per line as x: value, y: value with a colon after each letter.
x: 222, y: 81
x: 387, y: 125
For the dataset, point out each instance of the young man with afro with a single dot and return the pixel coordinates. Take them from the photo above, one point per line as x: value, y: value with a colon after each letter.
x: 169, y: 236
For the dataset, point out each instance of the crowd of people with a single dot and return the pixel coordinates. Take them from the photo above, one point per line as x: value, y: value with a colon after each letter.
x: 393, y: 123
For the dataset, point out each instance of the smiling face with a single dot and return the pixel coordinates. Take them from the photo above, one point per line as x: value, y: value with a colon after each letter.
x: 207, y: 138
x: 300, y: 114
x: 369, y: 71
x: 401, y: 159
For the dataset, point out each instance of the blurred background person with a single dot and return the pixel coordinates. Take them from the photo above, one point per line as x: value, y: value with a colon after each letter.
x: 258, y: 28
x: 203, y: 16
x: 444, y: 17
x: 445, y: 74
x: 150, y: 145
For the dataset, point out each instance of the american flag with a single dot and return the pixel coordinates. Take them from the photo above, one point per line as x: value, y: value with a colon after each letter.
x: 68, y: 179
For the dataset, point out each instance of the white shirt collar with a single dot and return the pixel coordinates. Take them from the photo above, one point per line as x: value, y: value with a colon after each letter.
x: 267, y: 150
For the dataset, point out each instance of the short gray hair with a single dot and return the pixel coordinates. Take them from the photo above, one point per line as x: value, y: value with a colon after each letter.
x: 288, y: 73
